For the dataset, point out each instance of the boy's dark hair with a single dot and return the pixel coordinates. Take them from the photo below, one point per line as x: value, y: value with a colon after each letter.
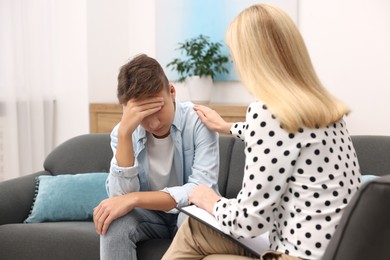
x: 141, y: 77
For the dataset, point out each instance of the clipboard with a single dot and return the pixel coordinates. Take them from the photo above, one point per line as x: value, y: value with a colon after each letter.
x: 256, y: 245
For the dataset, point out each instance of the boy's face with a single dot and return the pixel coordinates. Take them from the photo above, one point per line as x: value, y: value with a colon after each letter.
x: 159, y: 123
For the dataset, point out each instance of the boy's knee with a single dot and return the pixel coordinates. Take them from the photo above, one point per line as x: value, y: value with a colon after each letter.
x: 121, y: 229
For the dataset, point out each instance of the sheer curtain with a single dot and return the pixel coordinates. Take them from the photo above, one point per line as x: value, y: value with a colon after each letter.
x: 27, y: 104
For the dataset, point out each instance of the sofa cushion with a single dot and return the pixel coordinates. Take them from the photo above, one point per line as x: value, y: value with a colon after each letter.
x: 152, y: 248
x: 48, y: 241
x: 67, y: 197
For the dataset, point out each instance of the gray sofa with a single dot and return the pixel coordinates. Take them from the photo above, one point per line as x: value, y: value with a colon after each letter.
x: 91, y: 153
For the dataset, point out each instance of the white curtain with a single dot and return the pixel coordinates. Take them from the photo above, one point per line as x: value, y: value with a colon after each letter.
x: 27, y: 103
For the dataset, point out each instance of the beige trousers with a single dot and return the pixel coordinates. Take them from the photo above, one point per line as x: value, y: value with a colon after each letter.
x: 195, y: 240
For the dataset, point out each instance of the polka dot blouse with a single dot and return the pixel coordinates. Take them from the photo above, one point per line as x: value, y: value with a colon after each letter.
x: 295, y: 186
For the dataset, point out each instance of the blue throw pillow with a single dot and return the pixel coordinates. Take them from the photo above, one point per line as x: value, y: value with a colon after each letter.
x: 68, y: 197
x: 366, y: 178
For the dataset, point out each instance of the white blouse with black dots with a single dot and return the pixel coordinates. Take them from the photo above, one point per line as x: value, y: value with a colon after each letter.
x: 295, y: 186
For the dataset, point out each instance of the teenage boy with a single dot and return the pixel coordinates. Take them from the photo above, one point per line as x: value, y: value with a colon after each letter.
x: 161, y: 152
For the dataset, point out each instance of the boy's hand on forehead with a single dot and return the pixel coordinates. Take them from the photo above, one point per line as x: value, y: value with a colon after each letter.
x: 144, y: 107
x: 136, y: 110
x: 146, y: 103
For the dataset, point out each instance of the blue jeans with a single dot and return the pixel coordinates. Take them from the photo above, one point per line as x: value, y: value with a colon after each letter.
x: 119, y: 243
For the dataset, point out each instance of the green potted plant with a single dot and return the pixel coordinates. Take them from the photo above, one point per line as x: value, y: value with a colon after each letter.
x: 202, y: 61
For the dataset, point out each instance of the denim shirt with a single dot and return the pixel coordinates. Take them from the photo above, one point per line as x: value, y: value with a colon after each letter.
x: 196, y: 158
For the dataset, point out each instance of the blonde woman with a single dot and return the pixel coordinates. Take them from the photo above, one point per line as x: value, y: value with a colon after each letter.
x: 301, y: 168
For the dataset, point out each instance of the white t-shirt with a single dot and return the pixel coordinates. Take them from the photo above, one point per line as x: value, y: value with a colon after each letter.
x: 160, y: 155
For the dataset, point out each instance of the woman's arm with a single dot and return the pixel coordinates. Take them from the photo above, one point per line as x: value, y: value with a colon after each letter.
x: 212, y: 119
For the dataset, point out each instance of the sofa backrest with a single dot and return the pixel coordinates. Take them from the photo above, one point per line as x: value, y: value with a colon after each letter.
x: 373, y: 152
x: 231, y: 170
x: 92, y: 153
x: 81, y: 154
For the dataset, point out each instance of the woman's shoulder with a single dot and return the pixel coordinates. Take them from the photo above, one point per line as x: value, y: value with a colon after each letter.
x: 258, y: 109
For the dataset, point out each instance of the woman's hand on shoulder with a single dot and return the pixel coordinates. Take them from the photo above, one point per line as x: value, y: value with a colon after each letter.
x: 212, y: 119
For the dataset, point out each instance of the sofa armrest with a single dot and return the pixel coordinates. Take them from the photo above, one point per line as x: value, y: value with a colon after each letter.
x: 16, y: 198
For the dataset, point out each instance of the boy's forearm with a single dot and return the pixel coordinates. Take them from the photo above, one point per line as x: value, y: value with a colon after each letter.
x: 152, y: 200
x: 124, y: 153
x: 122, y: 183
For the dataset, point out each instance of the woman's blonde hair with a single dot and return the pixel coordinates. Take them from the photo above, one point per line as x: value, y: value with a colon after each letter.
x: 274, y: 65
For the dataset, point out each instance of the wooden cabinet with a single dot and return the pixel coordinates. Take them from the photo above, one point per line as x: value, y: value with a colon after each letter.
x: 231, y: 113
x: 104, y: 116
